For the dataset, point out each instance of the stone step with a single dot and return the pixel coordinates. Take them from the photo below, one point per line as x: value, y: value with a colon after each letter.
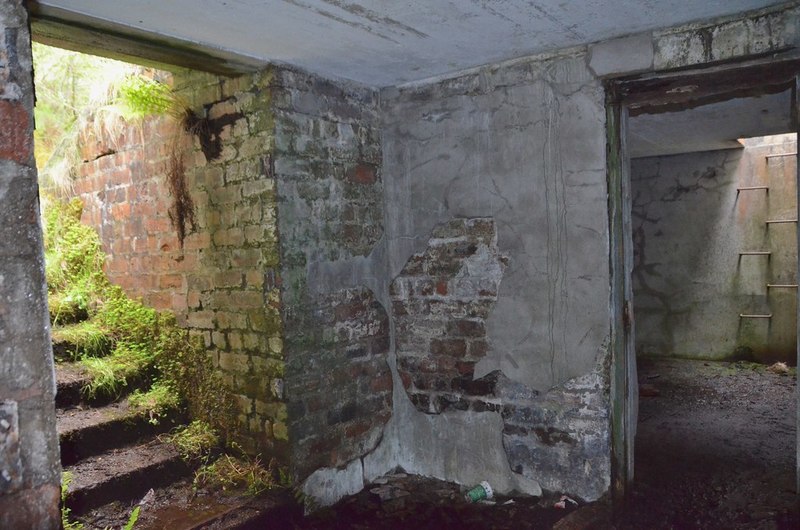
x: 177, y: 508
x: 123, y: 474
x: 84, y: 432
x: 70, y: 341
x: 71, y: 378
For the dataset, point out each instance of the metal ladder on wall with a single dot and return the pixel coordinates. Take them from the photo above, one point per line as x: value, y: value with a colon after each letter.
x: 768, y: 222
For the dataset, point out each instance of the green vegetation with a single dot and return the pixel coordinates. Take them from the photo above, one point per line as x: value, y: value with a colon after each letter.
x: 238, y: 473
x: 122, y: 342
x: 73, y: 89
x: 66, y: 523
x: 156, y: 402
x: 82, y: 339
x: 196, y: 441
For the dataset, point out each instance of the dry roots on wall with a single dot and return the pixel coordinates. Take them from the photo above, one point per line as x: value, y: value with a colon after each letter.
x: 182, y: 209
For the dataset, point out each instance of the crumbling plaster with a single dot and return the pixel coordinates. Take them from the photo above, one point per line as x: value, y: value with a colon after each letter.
x: 523, y: 143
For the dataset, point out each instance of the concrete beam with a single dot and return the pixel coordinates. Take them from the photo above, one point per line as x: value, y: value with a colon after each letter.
x: 86, y: 34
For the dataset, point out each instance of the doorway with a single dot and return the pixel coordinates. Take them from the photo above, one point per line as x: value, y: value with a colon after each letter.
x: 755, y: 98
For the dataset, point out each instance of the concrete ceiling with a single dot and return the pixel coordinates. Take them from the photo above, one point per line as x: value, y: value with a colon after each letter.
x: 389, y: 42
x: 709, y: 127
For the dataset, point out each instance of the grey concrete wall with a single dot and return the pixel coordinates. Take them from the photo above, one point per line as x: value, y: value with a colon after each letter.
x: 523, y: 146
x: 29, y: 455
x: 689, y: 225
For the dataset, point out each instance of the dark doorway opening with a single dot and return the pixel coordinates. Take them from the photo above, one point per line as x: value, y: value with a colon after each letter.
x: 715, y: 439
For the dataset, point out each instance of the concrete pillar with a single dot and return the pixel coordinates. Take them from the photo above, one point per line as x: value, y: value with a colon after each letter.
x: 29, y: 456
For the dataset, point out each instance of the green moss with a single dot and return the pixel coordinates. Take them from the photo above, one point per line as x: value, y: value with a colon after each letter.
x: 187, y: 368
x: 195, y: 441
x: 157, y: 402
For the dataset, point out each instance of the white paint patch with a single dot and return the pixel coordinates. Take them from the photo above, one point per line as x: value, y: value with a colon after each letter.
x: 327, y: 485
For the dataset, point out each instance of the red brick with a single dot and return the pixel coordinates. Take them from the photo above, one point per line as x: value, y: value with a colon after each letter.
x: 16, y: 139
x: 362, y: 174
x: 170, y: 281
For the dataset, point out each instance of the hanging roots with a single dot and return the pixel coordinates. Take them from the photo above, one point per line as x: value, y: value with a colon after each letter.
x: 182, y: 209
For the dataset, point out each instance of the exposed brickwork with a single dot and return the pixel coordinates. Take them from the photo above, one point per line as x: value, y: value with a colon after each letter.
x: 340, y: 392
x: 29, y: 457
x: 327, y: 162
x: 548, y: 435
x: 224, y: 283
x: 319, y: 142
x: 441, y: 301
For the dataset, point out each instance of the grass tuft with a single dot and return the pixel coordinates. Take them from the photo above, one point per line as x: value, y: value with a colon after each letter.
x: 84, y: 339
x: 229, y: 473
x: 110, y: 375
x: 196, y: 441
x: 157, y: 402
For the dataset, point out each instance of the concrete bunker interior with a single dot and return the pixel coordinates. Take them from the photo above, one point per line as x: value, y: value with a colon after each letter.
x: 713, y: 203
x: 442, y: 256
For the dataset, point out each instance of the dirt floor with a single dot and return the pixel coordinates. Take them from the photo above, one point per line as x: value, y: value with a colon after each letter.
x: 715, y: 449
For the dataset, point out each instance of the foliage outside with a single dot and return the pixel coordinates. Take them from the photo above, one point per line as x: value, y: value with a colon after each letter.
x: 122, y: 341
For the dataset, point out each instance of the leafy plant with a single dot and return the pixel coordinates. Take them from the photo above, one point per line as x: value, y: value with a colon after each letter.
x: 132, y: 519
x: 73, y: 254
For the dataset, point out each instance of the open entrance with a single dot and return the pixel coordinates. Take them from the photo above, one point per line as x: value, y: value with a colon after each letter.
x: 704, y: 247
x: 155, y: 297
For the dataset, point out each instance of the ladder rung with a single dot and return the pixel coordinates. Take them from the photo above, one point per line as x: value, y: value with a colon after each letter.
x: 775, y: 221
x: 778, y: 155
x: 755, y: 316
x: 748, y: 188
x: 781, y: 286
x: 755, y: 253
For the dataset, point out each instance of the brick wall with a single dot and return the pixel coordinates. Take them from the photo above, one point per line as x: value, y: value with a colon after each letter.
x: 29, y: 457
x: 328, y: 167
x: 223, y: 283
x: 292, y: 147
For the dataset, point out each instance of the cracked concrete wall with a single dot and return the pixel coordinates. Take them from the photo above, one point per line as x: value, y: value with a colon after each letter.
x: 29, y: 455
x: 689, y: 225
x: 523, y: 145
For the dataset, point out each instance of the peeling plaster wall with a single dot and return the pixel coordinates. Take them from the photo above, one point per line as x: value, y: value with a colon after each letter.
x: 521, y: 145
x: 689, y: 225
x: 29, y: 455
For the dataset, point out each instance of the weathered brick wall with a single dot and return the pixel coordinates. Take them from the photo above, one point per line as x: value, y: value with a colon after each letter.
x: 328, y: 167
x: 224, y: 282
x: 320, y: 143
x: 29, y: 456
